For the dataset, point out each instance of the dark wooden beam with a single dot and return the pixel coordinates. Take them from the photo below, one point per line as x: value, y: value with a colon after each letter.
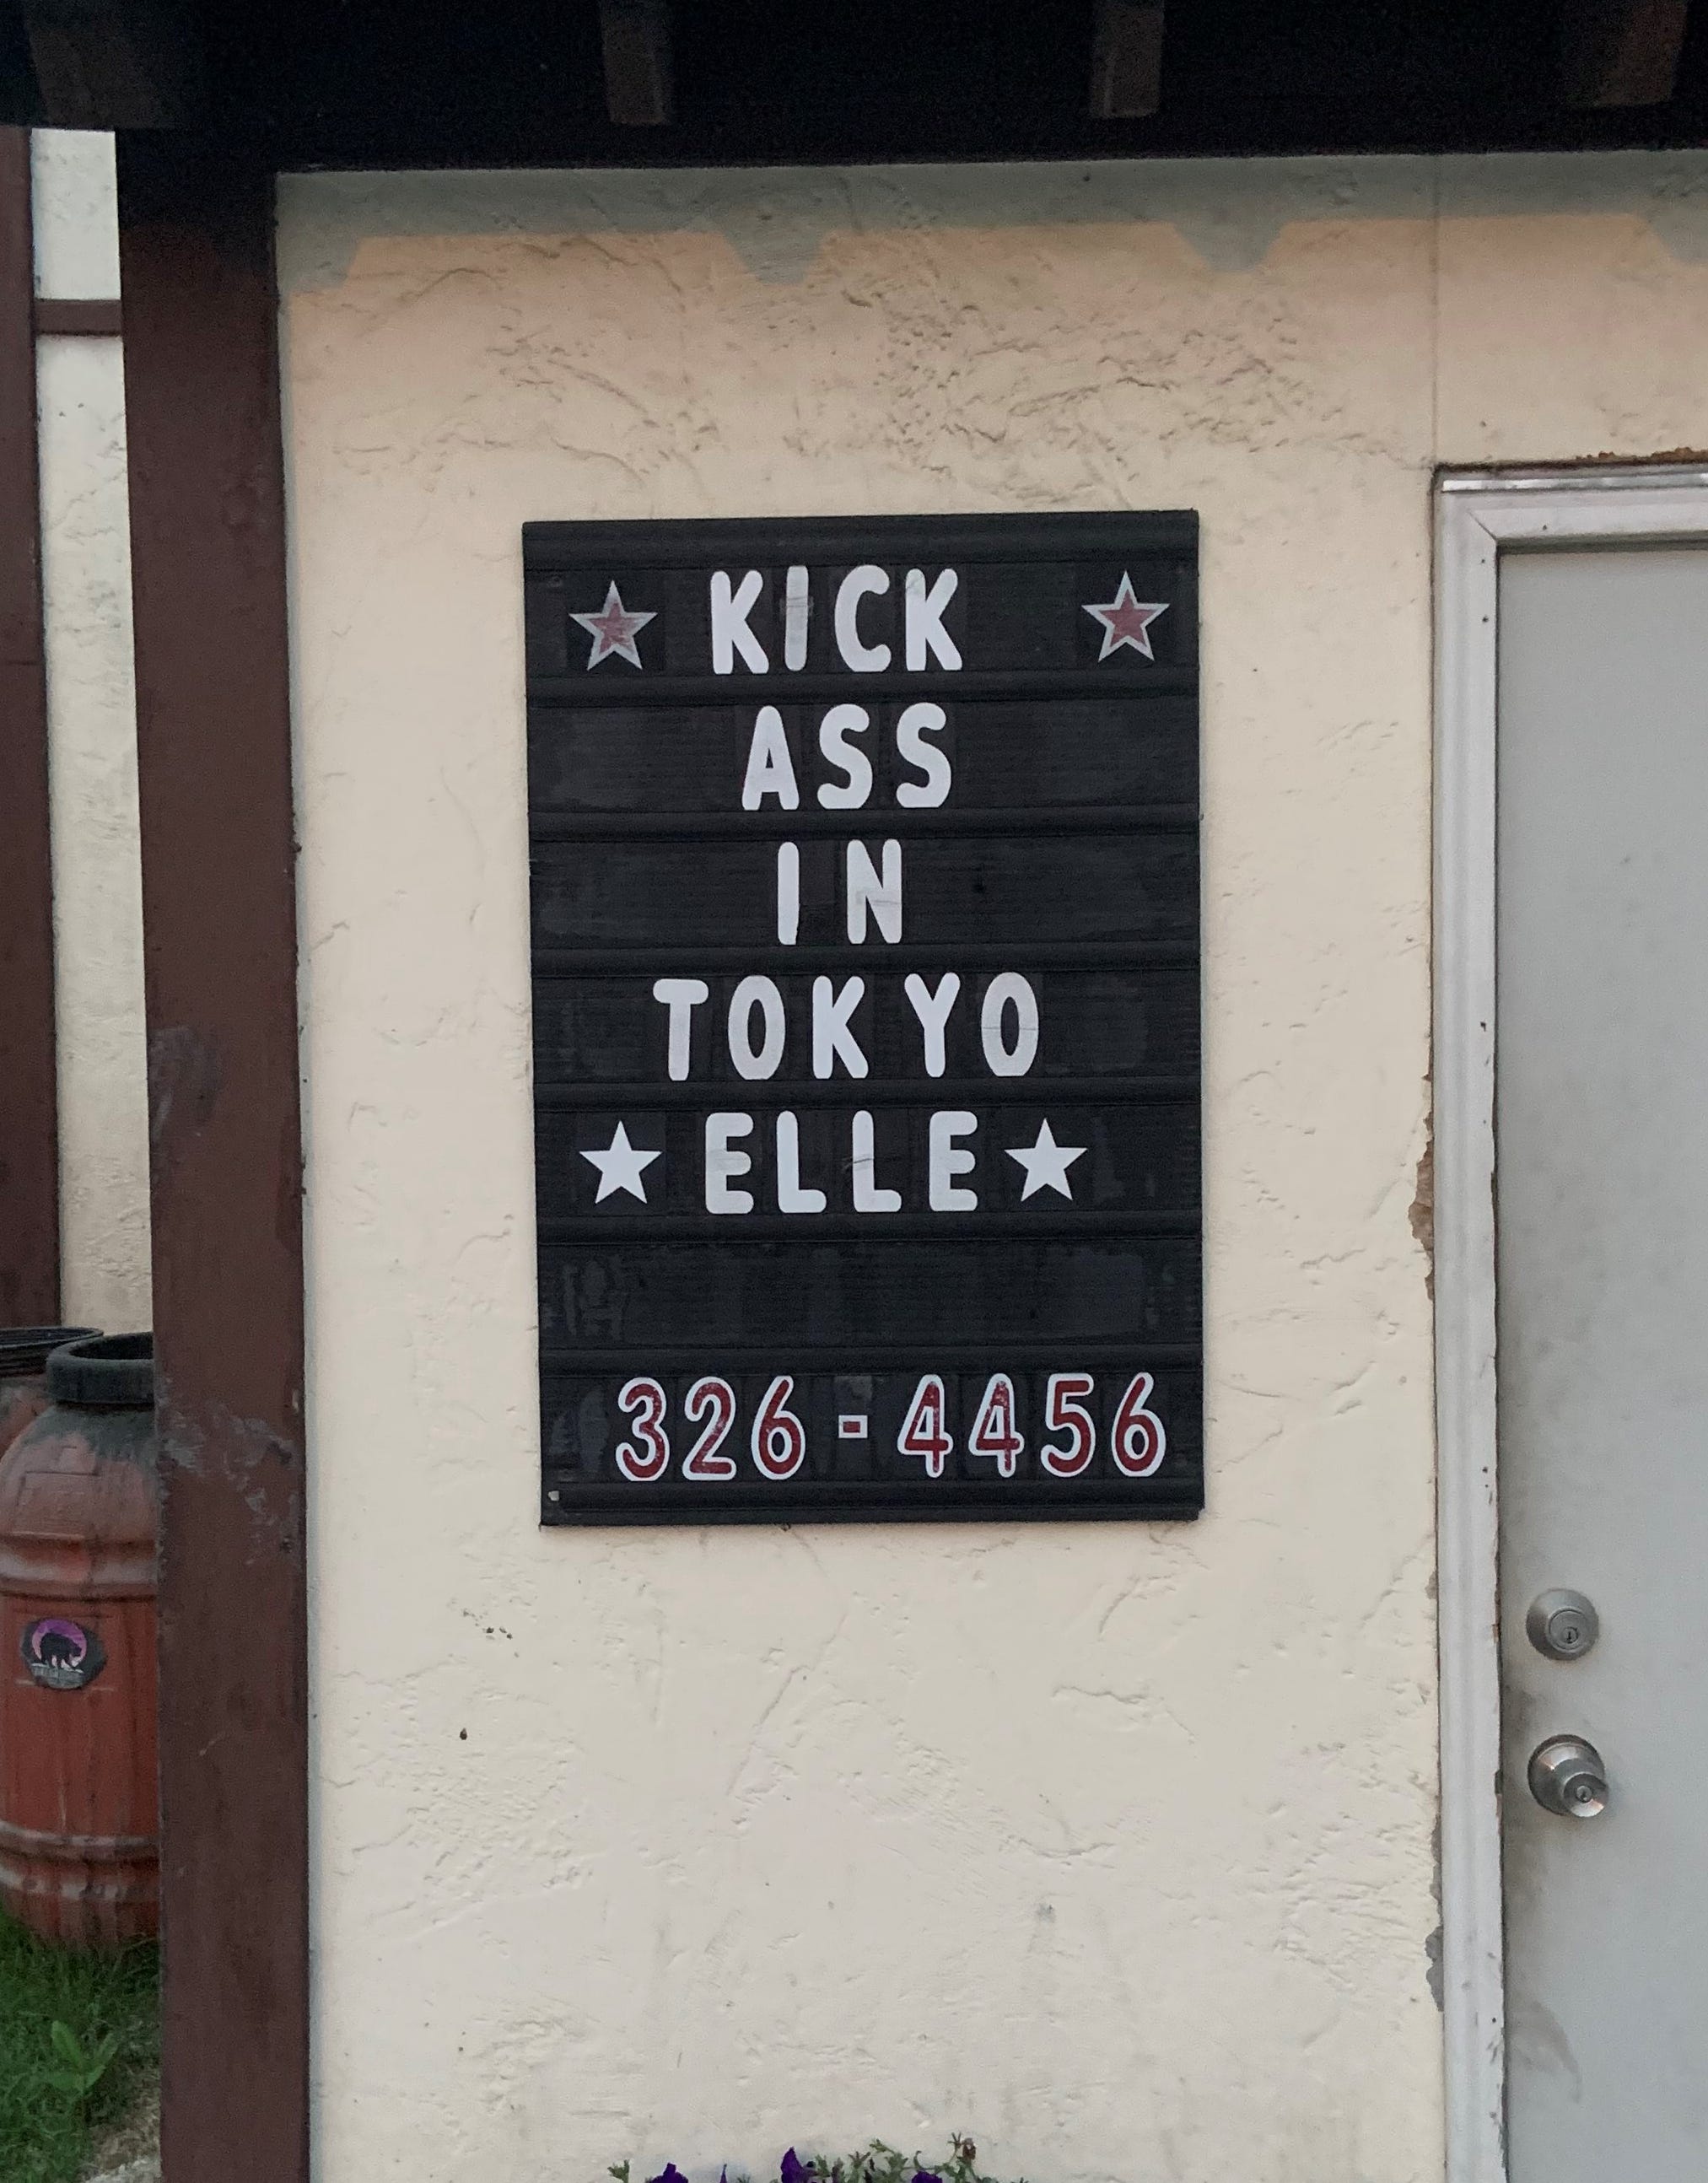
x: 1126, y: 59
x: 639, y: 80
x: 214, y: 767
x: 113, y: 63
x: 1621, y: 52
x: 29, y: 1095
x: 79, y: 314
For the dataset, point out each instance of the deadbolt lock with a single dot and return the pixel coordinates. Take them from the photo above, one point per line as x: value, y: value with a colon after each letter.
x: 1567, y: 1778
x: 1562, y: 1624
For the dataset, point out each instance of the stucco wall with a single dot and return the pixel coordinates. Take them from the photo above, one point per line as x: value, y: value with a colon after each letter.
x: 1113, y: 1845
x: 97, y: 887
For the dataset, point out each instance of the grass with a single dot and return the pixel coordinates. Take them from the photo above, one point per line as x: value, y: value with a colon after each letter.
x: 44, y: 2130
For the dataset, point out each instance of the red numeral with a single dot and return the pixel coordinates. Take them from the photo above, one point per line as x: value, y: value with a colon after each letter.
x: 712, y: 1401
x: 643, y: 1400
x: 780, y: 1438
x: 924, y: 1432
x: 994, y: 1431
x: 1064, y: 1410
x: 1139, y: 1441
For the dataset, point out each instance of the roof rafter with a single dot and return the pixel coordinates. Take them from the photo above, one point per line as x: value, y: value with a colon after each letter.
x: 1127, y: 60
x: 1621, y: 52
x: 639, y: 76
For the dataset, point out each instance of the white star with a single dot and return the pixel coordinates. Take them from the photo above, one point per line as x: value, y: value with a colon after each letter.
x: 619, y: 1167
x: 614, y: 628
x: 1125, y: 621
x: 1046, y: 1163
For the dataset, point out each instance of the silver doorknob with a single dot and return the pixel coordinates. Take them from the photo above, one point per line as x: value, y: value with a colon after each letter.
x: 1567, y: 1778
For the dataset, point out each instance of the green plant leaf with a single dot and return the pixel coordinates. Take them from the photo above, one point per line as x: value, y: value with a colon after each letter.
x: 66, y: 2043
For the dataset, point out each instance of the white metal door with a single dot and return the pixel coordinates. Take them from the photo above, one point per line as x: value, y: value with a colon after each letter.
x: 1601, y: 1189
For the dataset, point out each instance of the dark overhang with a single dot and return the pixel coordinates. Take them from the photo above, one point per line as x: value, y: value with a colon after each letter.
x: 356, y: 83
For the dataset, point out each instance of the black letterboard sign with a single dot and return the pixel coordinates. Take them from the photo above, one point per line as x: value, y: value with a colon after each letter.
x: 865, y: 934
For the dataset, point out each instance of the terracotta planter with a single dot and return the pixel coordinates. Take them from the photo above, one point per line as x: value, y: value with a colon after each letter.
x: 79, y: 1805
x: 23, y: 1354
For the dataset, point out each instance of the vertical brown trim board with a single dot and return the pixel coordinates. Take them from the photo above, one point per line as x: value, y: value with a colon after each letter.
x: 214, y: 763
x: 29, y: 1097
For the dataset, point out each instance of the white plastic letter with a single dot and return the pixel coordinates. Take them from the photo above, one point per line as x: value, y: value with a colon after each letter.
x: 868, y: 1198
x: 770, y: 770
x: 709, y: 1402
x: 797, y: 610
x: 840, y: 722
x: 917, y: 722
x: 723, y: 1161
x: 923, y: 1429
x: 924, y: 612
x: 933, y: 1011
x: 948, y: 1160
x: 759, y: 993
x: 1065, y: 1411
x: 645, y: 1402
x: 1138, y: 1441
x: 868, y: 890
x: 859, y: 583
x: 831, y: 1034
x: 791, y: 1197
x: 681, y: 996
x: 1009, y: 989
x: 779, y: 1439
x: 788, y: 893
x: 729, y: 631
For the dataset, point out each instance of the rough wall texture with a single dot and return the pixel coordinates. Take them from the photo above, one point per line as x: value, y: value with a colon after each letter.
x: 75, y: 213
x: 97, y: 903
x: 1113, y: 1845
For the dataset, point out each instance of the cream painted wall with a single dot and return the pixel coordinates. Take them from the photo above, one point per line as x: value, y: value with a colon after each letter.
x: 97, y: 897
x: 1112, y: 1845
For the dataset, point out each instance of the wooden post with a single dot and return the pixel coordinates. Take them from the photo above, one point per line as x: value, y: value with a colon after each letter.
x: 29, y: 1095
x: 214, y: 761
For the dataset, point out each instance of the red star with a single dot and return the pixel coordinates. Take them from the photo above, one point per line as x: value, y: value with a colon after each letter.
x: 614, y: 628
x: 1125, y: 621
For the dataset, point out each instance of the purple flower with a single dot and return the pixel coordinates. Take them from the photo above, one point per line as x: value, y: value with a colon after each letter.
x: 672, y: 2174
x: 795, y: 2169
x: 921, y: 2175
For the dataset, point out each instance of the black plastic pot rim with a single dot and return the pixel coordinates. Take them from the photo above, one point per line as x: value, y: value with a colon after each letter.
x: 104, y: 1372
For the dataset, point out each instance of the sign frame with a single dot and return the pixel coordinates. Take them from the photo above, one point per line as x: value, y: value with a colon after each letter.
x: 590, y: 629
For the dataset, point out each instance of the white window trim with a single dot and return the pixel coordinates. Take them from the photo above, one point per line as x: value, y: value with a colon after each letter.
x: 1478, y: 515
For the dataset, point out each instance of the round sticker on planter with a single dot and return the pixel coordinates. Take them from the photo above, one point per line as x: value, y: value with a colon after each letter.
x: 61, y: 1654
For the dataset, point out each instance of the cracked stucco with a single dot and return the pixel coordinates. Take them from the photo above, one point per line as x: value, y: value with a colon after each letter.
x: 1112, y: 1845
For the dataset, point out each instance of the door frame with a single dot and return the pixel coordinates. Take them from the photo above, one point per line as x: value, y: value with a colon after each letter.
x: 1478, y: 515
